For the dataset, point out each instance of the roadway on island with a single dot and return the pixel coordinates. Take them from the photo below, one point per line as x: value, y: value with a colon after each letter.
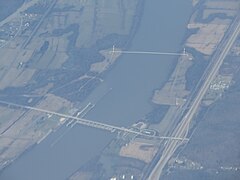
x: 182, y: 129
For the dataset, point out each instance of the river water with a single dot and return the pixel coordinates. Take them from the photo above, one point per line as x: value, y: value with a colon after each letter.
x: 132, y: 81
x: 8, y: 7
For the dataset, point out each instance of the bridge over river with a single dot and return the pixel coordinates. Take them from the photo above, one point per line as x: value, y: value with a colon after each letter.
x: 90, y: 123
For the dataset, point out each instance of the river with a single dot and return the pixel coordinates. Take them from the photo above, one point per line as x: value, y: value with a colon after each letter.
x: 7, y: 8
x: 132, y: 80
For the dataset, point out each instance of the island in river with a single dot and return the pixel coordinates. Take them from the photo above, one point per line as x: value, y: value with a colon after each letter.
x: 58, y: 53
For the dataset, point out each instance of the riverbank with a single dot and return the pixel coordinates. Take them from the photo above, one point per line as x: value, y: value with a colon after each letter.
x: 129, y: 152
x: 200, y: 58
x: 190, y: 68
x: 50, y: 61
x: 125, y: 154
x: 6, y: 9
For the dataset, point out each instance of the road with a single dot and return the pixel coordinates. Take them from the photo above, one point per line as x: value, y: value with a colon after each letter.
x: 182, y: 129
x: 24, y: 45
x: 90, y: 123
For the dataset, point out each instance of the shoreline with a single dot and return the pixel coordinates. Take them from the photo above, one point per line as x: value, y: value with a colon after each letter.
x: 137, y: 20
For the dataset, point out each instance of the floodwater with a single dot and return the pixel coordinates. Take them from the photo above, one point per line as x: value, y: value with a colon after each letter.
x: 122, y: 99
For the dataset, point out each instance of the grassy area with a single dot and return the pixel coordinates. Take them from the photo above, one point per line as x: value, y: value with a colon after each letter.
x: 215, y: 143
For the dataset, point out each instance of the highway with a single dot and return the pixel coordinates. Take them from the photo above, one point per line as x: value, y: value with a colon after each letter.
x: 90, y: 123
x: 24, y: 45
x: 181, y: 130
